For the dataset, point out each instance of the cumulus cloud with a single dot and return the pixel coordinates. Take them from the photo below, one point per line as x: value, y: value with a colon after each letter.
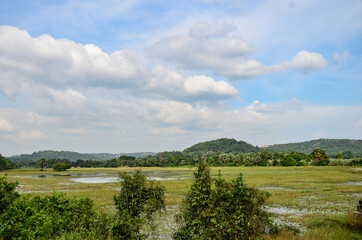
x: 61, y: 62
x: 198, y: 87
x: 216, y: 47
x: 209, y: 46
x: 307, y: 62
x: 64, y: 64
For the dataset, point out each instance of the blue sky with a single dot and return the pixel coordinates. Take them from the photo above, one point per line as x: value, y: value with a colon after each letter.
x: 127, y: 76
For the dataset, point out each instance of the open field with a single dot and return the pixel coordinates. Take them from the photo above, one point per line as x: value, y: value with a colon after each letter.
x: 312, y: 202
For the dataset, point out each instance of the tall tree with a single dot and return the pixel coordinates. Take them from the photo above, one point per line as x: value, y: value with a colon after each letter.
x: 42, y: 164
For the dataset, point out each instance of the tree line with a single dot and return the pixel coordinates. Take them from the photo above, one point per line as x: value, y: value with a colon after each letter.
x: 317, y: 157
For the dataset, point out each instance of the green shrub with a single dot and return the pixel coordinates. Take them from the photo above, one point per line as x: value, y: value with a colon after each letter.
x: 47, y: 217
x: 288, y: 161
x: 135, y: 203
x: 61, y: 166
x: 7, y: 193
x: 230, y: 210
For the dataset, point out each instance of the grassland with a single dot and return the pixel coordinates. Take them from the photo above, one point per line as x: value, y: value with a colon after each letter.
x: 309, y: 202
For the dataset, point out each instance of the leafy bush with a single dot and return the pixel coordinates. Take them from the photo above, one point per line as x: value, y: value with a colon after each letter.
x: 47, y: 217
x: 7, y: 193
x: 231, y: 210
x: 135, y: 203
x: 61, y: 166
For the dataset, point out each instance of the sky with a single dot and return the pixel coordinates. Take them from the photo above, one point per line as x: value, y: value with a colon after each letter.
x: 150, y: 75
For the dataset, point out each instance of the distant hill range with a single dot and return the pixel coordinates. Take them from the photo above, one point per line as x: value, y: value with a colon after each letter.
x: 73, y: 156
x: 331, y: 146
x: 223, y: 145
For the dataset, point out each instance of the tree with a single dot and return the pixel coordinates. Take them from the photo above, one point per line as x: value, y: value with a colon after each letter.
x: 319, y: 157
x: 61, y: 166
x: 42, y: 164
x: 230, y: 210
x: 6, y: 164
x: 135, y: 203
x: 288, y: 161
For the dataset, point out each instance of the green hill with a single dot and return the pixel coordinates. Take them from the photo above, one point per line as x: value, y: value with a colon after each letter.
x: 223, y: 145
x: 331, y: 146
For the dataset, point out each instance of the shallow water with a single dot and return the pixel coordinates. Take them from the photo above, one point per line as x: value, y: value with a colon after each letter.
x: 66, y: 175
x: 284, y: 210
x: 278, y: 188
x: 111, y: 177
x: 358, y: 183
x: 117, y: 179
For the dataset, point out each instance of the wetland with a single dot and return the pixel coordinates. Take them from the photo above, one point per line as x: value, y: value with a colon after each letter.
x: 309, y: 200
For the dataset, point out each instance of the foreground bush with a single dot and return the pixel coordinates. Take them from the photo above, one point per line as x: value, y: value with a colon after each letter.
x: 49, y: 217
x: 231, y: 210
x: 135, y: 203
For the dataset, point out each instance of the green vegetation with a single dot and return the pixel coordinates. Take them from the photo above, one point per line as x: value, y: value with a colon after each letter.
x: 61, y: 166
x: 230, y: 210
x: 135, y: 203
x: 42, y: 164
x: 72, y: 156
x: 352, y: 148
x: 319, y: 158
x: 314, y: 200
x: 49, y: 217
x: 6, y: 164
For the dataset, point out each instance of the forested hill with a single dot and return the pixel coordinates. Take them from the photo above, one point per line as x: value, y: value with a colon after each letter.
x: 223, y: 145
x: 72, y: 156
x: 331, y: 146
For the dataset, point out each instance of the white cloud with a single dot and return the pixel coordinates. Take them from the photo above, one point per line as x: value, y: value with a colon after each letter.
x: 213, y: 47
x: 5, y: 126
x: 204, y: 30
x: 174, y: 86
x: 209, y: 46
x: 307, y: 62
x: 282, y: 107
x: 32, y: 135
x: 64, y: 64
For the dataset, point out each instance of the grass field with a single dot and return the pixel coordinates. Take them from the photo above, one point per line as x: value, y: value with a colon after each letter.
x: 310, y: 202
